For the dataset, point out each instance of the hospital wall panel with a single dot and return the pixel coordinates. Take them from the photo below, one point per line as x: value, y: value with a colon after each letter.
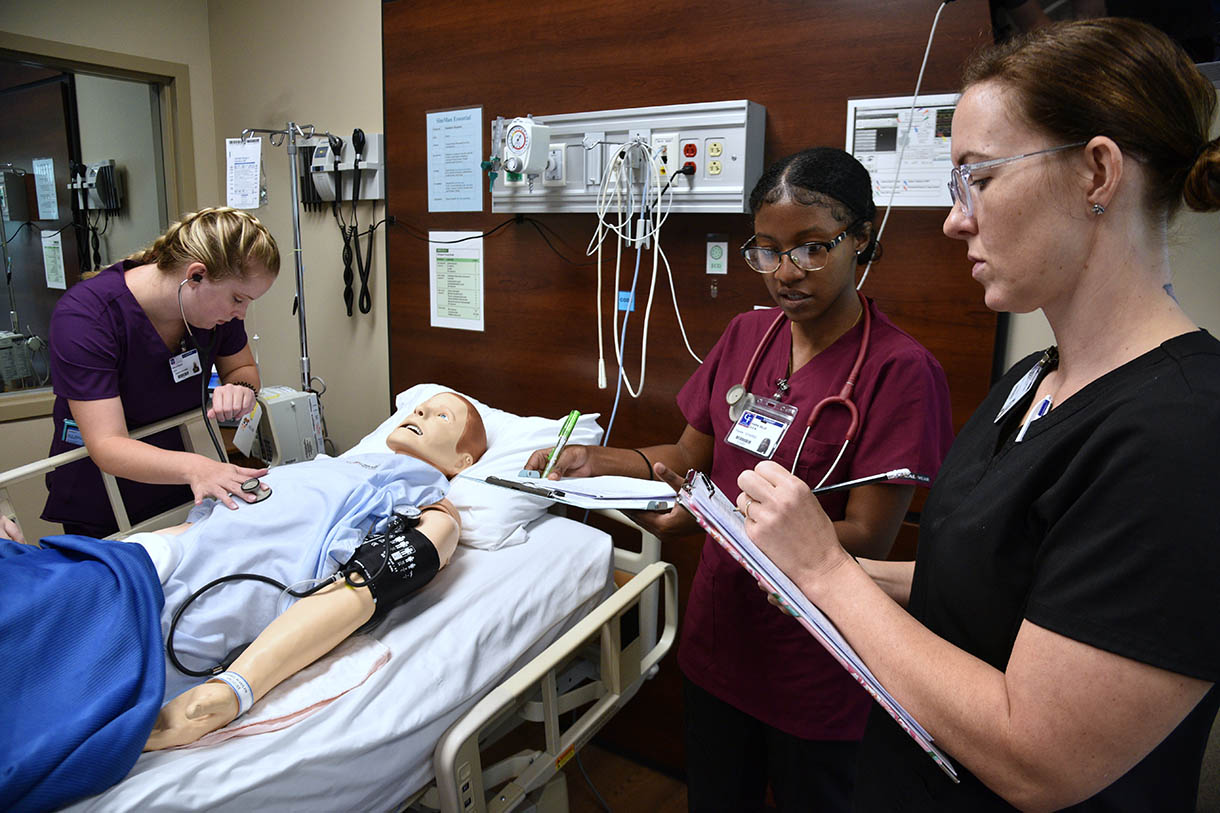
x: 538, y: 352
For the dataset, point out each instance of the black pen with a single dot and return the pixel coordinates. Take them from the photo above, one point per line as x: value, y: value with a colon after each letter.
x: 896, y: 474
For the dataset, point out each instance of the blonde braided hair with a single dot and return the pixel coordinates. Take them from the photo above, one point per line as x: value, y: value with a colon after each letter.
x: 227, y: 241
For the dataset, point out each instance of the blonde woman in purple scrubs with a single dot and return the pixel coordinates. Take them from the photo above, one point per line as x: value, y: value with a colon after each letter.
x: 123, y: 356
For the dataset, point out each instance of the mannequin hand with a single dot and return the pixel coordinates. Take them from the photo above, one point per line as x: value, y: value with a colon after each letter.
x: 574, y: 461
x: 211, y: 478
x: 230, y: 402
x: 677, y: 521
x: 788, y: 523
x: 192, y: 714
x: 9, y: 529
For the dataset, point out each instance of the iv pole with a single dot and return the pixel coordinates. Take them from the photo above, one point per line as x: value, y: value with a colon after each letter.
x: 290, y: 134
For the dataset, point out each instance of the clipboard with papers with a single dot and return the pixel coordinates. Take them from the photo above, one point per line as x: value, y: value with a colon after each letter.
x: 720, y: 518
x: 607, y: 491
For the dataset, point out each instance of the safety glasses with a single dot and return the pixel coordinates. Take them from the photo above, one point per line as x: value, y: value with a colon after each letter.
x: 807, y: 257
x: 961, y: 177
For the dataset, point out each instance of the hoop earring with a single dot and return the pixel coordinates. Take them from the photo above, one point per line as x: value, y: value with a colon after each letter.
x: 1098, y: 209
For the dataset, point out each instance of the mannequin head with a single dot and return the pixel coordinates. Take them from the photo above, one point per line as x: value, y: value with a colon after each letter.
x: 444, y: 431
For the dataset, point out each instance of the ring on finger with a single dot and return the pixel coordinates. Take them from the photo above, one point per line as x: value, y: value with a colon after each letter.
x: 746, y: 511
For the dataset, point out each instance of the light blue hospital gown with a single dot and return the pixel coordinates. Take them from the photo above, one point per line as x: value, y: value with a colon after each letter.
x: 318, y: 513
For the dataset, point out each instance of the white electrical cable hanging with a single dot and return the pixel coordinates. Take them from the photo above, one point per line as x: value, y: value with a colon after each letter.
x: 902, y: 142
x: 653, y: 214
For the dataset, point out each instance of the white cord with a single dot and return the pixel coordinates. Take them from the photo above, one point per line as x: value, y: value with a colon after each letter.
x: 611, y: 196
x: 902, y: 148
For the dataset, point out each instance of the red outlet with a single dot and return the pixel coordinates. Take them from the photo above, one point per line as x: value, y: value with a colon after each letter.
x: 689, y: 150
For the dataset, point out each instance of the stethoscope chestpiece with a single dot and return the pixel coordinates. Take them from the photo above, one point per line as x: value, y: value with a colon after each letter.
x: 253, y: 486
x: 739, y: 401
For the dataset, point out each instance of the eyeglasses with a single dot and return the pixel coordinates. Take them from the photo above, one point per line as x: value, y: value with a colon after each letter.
x: 961, y: 177
x: 807, y: 257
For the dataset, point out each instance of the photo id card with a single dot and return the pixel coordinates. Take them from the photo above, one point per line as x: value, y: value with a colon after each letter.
x: 761, y: 427
x: 184, y: 365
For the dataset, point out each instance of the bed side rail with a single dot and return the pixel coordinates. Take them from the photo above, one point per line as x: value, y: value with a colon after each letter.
x: 39, y: 468
x: 460, y: 780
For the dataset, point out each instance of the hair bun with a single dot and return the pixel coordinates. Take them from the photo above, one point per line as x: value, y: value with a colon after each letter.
x: 1201, y: 191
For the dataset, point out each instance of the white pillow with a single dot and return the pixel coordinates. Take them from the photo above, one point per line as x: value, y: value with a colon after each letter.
x: 492, y: 517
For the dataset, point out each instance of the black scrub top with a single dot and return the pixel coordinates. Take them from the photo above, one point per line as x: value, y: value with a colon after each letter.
x: 1102, y: 524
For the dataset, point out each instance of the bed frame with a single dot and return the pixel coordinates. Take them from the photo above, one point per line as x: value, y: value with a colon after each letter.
x: 600, y: 664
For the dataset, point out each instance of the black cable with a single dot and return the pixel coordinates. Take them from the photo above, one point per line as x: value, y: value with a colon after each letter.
x: 364, y: 268
x: 550, y: 245
x: 9, y: 240
x: 216, y: 670
x: 349, y: 276
x: 397, y: 222
x: 589, y: 782
x: 396, y: 525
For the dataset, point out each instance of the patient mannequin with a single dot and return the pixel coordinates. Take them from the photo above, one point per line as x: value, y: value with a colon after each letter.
x: 446, y: 432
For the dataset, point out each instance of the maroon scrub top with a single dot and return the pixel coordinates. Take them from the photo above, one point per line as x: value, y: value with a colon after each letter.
x: 734, y: 643
x: 103, y: 345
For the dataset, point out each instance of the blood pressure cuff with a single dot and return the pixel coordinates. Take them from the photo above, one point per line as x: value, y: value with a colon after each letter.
x: 393, y: 565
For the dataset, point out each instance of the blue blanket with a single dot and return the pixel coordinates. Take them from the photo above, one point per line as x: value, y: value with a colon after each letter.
x: 82, y: 667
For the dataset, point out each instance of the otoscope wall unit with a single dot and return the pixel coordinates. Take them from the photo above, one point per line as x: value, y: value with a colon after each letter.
x: 334, y: 164
x: 708, y: 155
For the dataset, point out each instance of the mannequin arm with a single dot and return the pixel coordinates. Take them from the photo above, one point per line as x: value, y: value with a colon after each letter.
x: 305, y: 632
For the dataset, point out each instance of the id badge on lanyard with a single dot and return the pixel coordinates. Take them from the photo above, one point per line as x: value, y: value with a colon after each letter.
x: 184, y: 365
x: 761, y: 427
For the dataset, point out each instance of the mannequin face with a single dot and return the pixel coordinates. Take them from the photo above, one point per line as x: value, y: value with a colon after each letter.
x: 432, y: 433
x: 210, y: 303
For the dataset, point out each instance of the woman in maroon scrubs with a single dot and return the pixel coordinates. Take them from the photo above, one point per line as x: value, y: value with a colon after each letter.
x: 122, y: 357
x: 763, y: 703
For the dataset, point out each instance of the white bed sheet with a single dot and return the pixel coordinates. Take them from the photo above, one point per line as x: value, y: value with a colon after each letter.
x: 484, y: 616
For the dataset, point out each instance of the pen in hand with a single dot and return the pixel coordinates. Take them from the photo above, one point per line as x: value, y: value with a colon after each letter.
x: 565, y: 432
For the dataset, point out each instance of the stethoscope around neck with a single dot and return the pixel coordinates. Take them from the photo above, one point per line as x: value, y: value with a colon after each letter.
x: 739, y: 398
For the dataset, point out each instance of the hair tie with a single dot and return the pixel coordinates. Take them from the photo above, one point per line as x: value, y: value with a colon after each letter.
x: 646, y: 463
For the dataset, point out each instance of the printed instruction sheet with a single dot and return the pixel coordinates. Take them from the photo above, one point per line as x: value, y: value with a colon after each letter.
x: 53, y: 260
x: 455, y: 279
x: 243, y: 172
x: 455, y: 150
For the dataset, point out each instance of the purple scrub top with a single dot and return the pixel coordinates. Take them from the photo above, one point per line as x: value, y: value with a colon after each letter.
x: 734, y: 643
x: 103, y: 345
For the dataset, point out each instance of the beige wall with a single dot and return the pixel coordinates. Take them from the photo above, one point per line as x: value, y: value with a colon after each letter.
x: 116, y: 121
x: 169, y: 30
x: 1194, y: 246
x: 277, y: 61
x: 256, y: 65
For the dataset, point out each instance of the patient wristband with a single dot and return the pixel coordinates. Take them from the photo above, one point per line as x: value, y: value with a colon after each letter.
x: 240, y: 687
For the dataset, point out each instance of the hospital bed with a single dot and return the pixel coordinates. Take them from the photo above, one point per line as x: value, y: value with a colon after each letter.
x: 528, y: 632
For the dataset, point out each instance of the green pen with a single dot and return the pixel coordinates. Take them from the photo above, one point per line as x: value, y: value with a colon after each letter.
x: 565, y: 432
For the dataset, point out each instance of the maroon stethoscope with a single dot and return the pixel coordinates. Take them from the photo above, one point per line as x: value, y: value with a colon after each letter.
x: 739, y: 398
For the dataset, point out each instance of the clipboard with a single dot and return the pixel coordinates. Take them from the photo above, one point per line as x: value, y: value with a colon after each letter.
x: 587, y: 492
x: 720, y: 518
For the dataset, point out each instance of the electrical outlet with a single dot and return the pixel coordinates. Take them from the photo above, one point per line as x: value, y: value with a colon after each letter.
x: 555, y: 173
x: 691, y: 158
x: 715, y: 148
x: 714, y: 167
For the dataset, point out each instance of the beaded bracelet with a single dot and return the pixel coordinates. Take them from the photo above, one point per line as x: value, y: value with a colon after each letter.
x: 248, y: 386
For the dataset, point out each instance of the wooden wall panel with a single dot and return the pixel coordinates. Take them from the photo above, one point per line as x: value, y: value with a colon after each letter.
x: 801, y: 60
